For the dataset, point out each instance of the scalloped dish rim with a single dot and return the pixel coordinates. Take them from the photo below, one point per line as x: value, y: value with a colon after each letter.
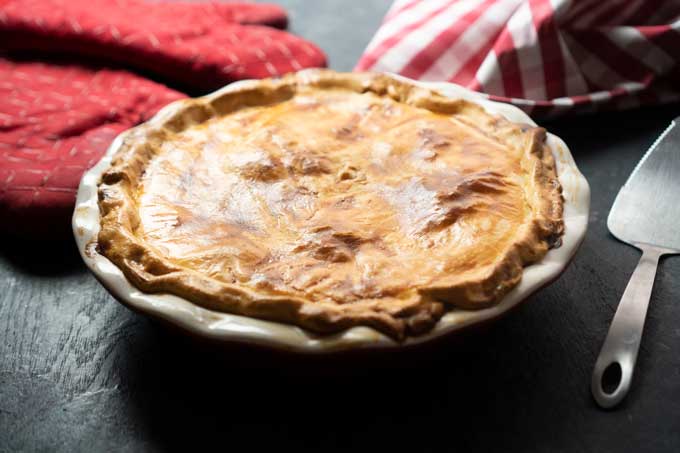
x: 236, y: 328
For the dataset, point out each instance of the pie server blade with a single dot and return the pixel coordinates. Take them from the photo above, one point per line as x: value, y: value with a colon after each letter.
x: 646, y: 215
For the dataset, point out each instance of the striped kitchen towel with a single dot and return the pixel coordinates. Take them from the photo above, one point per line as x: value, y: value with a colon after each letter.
x: 546, y: 56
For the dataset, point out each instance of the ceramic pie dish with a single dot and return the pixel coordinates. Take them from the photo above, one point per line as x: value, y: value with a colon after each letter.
x: 413, y: 221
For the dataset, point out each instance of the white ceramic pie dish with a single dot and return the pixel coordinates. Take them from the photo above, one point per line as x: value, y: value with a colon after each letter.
x: 234, y: 328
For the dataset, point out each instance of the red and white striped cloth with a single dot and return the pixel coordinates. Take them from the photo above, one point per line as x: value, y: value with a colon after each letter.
x: 545, y: 56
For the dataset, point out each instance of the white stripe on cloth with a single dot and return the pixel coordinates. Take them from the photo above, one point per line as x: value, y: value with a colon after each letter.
x: 631, y: 41
x: 593, y: 69
x: 560, y: 8
x: 412, y: 43
x: 396, y: 25
x: 469, y: 43
x: 528, y: 52
x: 489, y: 75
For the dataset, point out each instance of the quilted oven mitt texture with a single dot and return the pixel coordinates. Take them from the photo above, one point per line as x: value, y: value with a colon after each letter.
x: 200, y: 45
x: 57, y: 119
x: 55, y: 122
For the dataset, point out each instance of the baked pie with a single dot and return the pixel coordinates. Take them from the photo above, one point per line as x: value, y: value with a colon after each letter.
x: 331, y: 200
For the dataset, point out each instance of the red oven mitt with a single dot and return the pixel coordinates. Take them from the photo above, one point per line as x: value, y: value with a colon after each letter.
x: 56, y: 121
x: 200, y: 45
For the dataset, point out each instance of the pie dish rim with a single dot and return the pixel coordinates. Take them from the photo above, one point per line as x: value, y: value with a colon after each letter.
x: 229, y: 327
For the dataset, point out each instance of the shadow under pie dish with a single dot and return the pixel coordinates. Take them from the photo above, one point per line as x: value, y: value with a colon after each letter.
x: 330, y: 210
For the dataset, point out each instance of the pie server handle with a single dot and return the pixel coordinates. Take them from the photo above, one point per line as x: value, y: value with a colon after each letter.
x: 620, y: 348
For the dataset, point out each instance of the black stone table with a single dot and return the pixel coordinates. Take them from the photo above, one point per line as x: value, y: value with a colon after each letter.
x: 79, y: 372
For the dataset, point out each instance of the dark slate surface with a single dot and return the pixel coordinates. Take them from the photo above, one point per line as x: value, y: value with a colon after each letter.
x: 78, y: 372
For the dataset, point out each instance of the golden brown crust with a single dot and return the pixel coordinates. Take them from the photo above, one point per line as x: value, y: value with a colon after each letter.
x: 404, y: 311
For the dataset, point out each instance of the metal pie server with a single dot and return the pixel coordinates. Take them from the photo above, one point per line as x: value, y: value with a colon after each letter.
x: 646, y: 215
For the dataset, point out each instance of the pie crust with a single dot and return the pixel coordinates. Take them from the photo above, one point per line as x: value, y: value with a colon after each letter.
x: 330, y: 200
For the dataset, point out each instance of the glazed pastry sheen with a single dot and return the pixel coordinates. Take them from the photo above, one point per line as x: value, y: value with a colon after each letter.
x: 329, y: 201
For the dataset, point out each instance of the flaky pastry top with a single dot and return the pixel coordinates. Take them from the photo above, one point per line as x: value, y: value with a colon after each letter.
x: 331, y: 200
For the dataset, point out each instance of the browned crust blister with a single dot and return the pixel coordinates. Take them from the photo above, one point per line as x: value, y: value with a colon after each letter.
x: 152, y: 273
